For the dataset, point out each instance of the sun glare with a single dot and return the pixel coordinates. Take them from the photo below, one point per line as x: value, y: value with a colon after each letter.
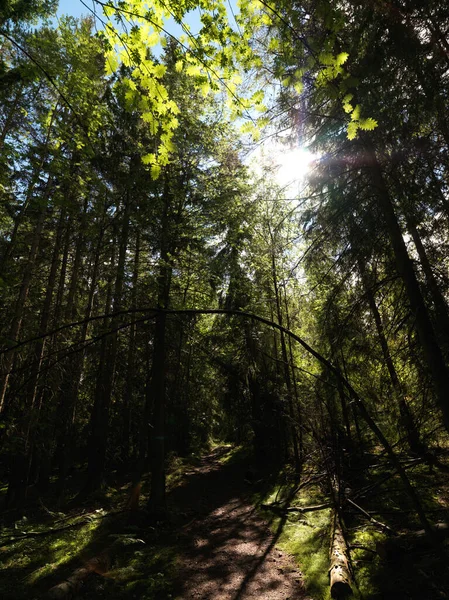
x: 293, y: 165
x: 290, y: 166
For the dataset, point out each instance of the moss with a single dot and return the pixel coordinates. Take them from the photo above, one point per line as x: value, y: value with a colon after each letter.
x: 367, y: 564
x: 308, y: 542
x: 233, y: 454
x: 304, y: 536
x: 148, y: 574
x: 24, y: 563
x: 63, y: 549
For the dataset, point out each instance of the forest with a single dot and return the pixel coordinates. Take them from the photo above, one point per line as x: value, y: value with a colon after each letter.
x: 217, y: 382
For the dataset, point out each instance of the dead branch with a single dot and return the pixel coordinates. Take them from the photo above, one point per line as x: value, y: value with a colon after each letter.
x: 384, y: 527
x: 291, y: 509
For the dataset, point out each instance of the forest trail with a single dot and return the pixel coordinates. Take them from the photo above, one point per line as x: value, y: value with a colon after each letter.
x: 227, y: 551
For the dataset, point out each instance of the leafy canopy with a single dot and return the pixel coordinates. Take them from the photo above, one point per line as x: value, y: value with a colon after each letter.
x: 215, y: 58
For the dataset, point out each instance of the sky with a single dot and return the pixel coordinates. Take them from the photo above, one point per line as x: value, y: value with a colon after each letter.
x: 72, y: 7
x: 75, y: 8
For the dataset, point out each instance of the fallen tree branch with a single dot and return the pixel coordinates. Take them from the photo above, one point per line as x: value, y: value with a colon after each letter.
x: 384, y: 527
x: 301, y: 509
x: 34, y: 534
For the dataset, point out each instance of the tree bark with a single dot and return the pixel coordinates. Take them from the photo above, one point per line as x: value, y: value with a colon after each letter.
x: 286, y: 363
x: 339, y: 571
x: 157, y: 505
x: 426, y: 335
x: 407, y: 420
x: 106, y: 371
x: 437, y: 297
x: 16, y: 322
x: 129, y: 384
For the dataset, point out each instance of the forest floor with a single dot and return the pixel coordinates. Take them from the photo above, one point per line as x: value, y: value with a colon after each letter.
x: 227, y: 551
x: 218, y: 543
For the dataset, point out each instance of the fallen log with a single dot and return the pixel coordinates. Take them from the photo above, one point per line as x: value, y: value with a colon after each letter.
x: 340, y: 577
x: 291, y: 509
x: 100, y: 565
x: 71, y: 586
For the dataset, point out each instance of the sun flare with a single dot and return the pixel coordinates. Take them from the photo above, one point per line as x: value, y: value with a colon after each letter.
x: 289, y: 166
x: 294, y: 165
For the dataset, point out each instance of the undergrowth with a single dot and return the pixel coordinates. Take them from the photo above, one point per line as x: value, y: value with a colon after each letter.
x: 410, y: 573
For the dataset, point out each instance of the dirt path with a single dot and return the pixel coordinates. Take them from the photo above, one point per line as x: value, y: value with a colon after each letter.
x: 228, y: 552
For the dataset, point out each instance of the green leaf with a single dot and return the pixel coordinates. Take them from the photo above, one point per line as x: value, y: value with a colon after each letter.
x: 326, y: 58
x: 159, y: 70
x: 258, y: 97
x: 356, y: 113
x: 155, y: 171
x: 352, y: 130
x: 347, y: 106
x: 149, y: 159
x: 341, y: 58
x: 108, y: 10
x: 205, y: 88
x: 368, y: 124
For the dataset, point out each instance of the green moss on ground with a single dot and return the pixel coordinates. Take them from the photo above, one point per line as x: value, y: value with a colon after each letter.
x: 305, y: 536
x: 25, y: 564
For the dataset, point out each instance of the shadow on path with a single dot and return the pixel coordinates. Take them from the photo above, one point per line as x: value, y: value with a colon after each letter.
x: 227, y: 550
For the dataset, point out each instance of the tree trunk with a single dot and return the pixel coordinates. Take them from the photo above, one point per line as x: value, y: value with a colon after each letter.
x: 129, y: 384
x: 286, y: 364
x: 157, y: 506
x: 437, y: 297
x: 99, y: 418
x: 16, y: 322
x: 65, y: 414
x: 407, y: 419
x: 426, y: 335
x: 106, y: 371
x: 339, y: 571
x: 39, y: 455
x: 157, y: 503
